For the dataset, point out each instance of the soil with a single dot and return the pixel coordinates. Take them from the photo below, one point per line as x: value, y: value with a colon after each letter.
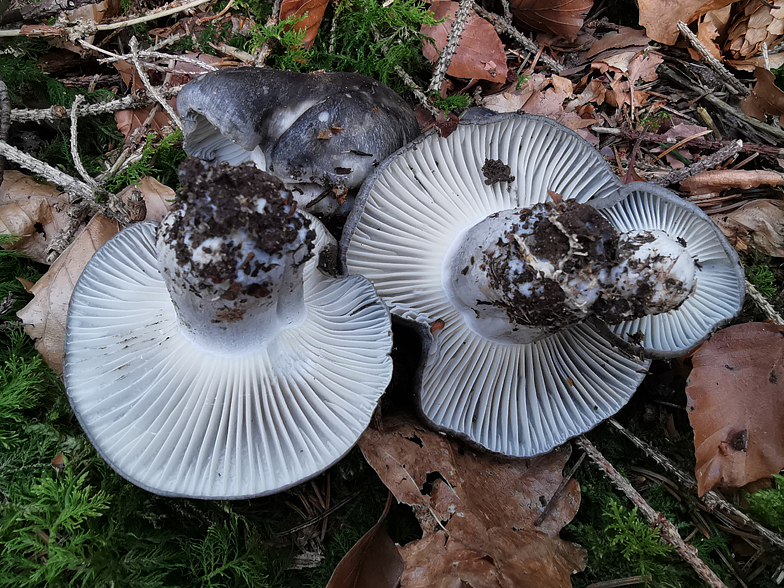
x: 496, y: 171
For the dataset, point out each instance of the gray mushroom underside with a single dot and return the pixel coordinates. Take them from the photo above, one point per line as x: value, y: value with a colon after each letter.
x: 283, y: 111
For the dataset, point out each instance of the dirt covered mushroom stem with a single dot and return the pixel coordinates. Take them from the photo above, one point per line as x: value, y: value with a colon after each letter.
x: 520, y: 275
x: 232, y: 257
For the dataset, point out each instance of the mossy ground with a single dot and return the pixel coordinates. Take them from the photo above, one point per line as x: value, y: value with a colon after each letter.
x: 74, y: 522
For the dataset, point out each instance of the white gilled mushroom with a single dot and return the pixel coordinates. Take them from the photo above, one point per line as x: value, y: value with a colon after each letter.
x: 320, y: 133
x: 458, y: 236
x: 215, y: 360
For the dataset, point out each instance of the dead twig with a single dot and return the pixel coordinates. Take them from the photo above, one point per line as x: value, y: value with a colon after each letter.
x: 763, y: 304
x: 730, y: 81
x: 134, y: 45
x: 703, y: 164
x: 452, y: 41
x: 667, y: 531
x: 503, y: 27
x: 711, y: 499
x: 5, y: 121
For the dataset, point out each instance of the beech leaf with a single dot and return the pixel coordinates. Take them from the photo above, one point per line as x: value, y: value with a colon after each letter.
x: 315, y: 12
x: 477, y: 512
x: 759, y: 223
x: 44, y: 316
x: 129, y: 120
x: 373, y: 562
x: 560, y: 17
x: 37, y: 211
x: 480, y: 53
x: 736, y: 405
x: 660, y: 17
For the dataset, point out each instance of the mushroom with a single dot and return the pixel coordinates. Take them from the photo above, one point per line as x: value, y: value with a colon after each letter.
x: 321, y: 133
x: 509, y: 245
x: 210, y: 357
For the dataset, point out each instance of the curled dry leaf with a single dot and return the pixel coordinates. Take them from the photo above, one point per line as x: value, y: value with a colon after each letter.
x: 373, y: 562
x: 736, y: 405
x: 158, y: 198
x: 480, y: 54
x: 660, y: 17
x: 560, y: 17
x: 476, y: 511
x: 754, y: 23
x: 44, y: 316
x: 625, y: 37
x: 130, y: 120
x: 722, y: 179
x: 37, y: 211
x: 759, y: 223
x: 765, y: 97
x: 310, y: 24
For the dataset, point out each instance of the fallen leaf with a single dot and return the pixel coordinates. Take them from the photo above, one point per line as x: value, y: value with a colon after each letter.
x: 37, y: 211
x: 706, y: 33
x: 765, y: 98
x: 660, y: 17
x: 625, y: 37
x: 158, y: 198
x: 185, y: 71
x: 477, y: 512
x: 45, y: 315
x: 130, y: 120
x: 759, y: 223
x: 560, y: 17
x: 373, y: 562
x: 722, y: 179
x: 310, y: 24
x: 736, y: 405
x: 480, y: 53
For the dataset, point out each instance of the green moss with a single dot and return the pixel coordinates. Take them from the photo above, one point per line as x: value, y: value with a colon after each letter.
x: 159, y: 159
x: 767, y: 505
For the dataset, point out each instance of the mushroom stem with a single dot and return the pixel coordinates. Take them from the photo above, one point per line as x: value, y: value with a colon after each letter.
x: 520, y: 275
x: 232, y: 258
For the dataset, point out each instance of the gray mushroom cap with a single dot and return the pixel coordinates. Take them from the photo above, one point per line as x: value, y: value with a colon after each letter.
x: 514, y: 392
x: 314, y: 131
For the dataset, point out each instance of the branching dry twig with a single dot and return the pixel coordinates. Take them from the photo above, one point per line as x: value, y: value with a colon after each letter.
x: 134, y: 45
x: 763, y: 304
x: 78, y: 99
x: 5, y: 121
x: 667, y: 531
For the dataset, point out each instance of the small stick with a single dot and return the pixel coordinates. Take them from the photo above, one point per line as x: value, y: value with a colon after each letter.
x: 732, y: 83
x: 557, y: 494
x: 763, y: 303
x: 703, y: 164
x: 711, y: 499
x: 5, y: 121
x: 452, y: 41
x: 765, y: 56
x: 630, y: 581
x: 78, y: 99
x: 501, y: 26
x: 656, y: 520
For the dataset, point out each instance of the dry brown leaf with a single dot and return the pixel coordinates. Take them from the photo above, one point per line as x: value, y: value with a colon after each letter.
x: 765, y: 97
x: 480, y: 54
x: 44, y: 316
x: 477, y: 512
x: 373, y: 562
x: 129, y: 76
x: 759, y: 223
x: 776, y: 60
x: 310, y: 24
x: 706, y: 33
x: 158, y: 198
x: 36, y: 210
x: 722, y: 179
x: 560, y: 17
x: 625, y: 37
x: 660, y: 17
x: 736, y: 405
x: 184, y: 72
x: 129, y: 120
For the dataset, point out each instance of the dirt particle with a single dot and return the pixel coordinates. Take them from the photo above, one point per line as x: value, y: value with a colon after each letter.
x: 496, y: 171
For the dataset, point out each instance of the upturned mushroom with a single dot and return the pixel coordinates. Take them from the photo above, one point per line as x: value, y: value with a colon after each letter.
x: 209, y: 357
x: 539, y: 283
x: 321, y: 133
